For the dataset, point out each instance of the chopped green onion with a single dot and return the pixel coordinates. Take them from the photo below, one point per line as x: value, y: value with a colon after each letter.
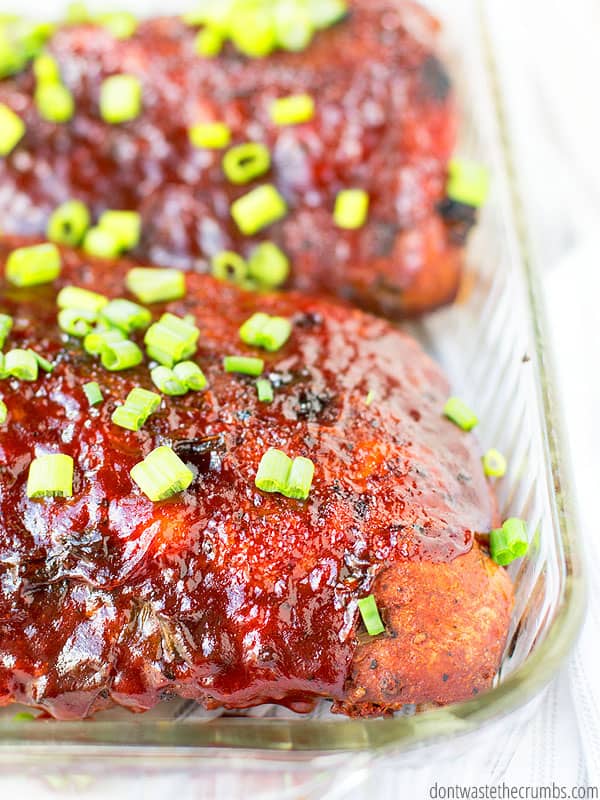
x: 167, y: 382
x: 75, y: 297
x: 269, y: 265
x: 494, y: 464
x: 370, y: 397
x: 101, y: 243
x: 12, y: 130
x: 126, y: 226
x: 292, y: 110
x: 23, y: 716
x: 21, y: 364
x: 245, y: 162
x: 43, y: 363
x: 54, y: 102
x: 95, y: 343
x: 468, y: 182
x: 509, y: 542
x: 138, y: 406
x: 93, y: 393
x: 120, y: 99
x: 77, y: 13
x: 460, y: 414
x: 273, y: 471
x: 261, y: 330
x: 3, y: 412
x: 6, y: 323
x: 30, y: 266
x: 264, y: 390
x: 229, y: 266
x: 259, y: 208
x: 76, y: 321
x: 151, y: 285
x: 50, y: 476
x: 119, y: 355
x: 293, y: 26
x: 252, y: 33
x: 171, y: 339
x: 210, y: 135
x: 208, y: 42
x: 121, y: 24
x: 12, y: 59
x: 45, y: 69
x: 243, y: 364
x: 351, y: 208
x: 3, y: 372
x: 190, y: 374
x: 370, y: 615
x: 68, y: 223
x: 300, y: 478
x: 125, y: 315
x: 325, y: 13
x: 162, y: 474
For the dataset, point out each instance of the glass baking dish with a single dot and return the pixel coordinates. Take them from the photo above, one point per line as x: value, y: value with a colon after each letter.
x: 493, y: 346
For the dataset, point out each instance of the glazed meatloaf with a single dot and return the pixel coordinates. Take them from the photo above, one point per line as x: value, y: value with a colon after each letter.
x: 226, y: 591
x: 384, y: 122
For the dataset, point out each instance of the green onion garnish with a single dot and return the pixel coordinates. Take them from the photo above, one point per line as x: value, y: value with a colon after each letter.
x: 6, y: 323
x: 210, y: 135
x: 370, y: 615
x: 121, y: 24
x: 68, y: 223
x: 23, y: 716
x: 12, y: 130
x: 460, y: 414
x: 293, y: 26
x: 190, y: 374
x: 76, y: 321
x: 245, y: 365
x: 101, y: 243
x: 162, y: 474
x: 155, y: 285
x: 171, y: 339
x: 77, y: 13
x: 138, y: 406
x: 252, y: 33
x: 125, y: 315
x: 262, y: 330
x: 3, y: 412
x: 75, y: 297
x: 246, y: 161
x: 167, y: 382
x: 229, y: 266
x: 43, y: 363
x: 268, y: 265
x: 325, y: 13
x: 370, y: 397
x: 125, y: 226
x: 119, y: 355
x: 468, y: 182
x: 494, y: 464
x: 264, y: 390
x: 93, y: 393
x: 278, y: 473
x: 120, y: 98
x: 46, y: 69
x: 21, y: 364
x: 351, y: 208
x: 259, y: 208
x: 96, y: 342
x: 50, y: 476
x: 292, y: 110
x: 509, y: 542
x: 208, y: 42
x: 54, y: 102
x: 30, y: 266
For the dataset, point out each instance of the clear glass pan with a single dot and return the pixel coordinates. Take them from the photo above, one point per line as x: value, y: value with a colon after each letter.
x: 492, y: 343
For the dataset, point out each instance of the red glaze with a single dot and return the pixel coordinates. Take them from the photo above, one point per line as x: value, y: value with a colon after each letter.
x: 222, y: 593
x: 385, y: 122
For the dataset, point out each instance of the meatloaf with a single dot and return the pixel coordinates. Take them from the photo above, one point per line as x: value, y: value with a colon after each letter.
x: 384, y: 122
x: 225, y: 593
